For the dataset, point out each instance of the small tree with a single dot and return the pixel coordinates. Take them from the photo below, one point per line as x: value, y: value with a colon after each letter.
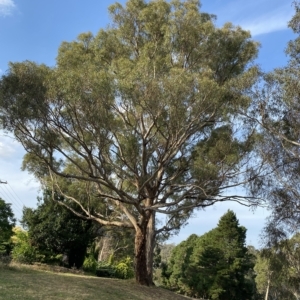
x: 144, y: 113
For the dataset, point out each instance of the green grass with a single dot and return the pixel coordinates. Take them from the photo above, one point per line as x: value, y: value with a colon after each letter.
x: 24, y: 282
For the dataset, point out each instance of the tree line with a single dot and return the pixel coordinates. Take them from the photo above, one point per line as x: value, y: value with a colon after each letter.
x: 159, y: 115
x: 216, y: 265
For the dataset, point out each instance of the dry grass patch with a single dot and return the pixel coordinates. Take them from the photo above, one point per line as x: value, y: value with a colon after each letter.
x: 23, y: 282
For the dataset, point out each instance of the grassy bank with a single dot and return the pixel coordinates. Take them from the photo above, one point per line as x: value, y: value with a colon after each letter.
x: 23, y: 282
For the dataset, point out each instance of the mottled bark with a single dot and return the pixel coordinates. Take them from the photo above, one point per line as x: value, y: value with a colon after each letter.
x: 141, y: 274
x: 150, y: 244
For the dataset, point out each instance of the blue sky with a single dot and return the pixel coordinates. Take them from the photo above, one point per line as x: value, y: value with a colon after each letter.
x: 34, y: 29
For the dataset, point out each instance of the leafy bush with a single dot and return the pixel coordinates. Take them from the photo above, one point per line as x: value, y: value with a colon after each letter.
x: 90, y: 264
x: 49, y: 258
x: 105, y: 272
x: 124, y: 269
x: 23, y: 251
x: 105, y: 269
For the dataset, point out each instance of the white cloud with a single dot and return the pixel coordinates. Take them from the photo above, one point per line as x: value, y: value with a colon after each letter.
x: 258, y: 16
x: 270, y: 22
x: 9, y: 147
x: 6, y: 7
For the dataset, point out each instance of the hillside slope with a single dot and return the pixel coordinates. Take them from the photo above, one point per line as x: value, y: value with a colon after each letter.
x: 27, y: 283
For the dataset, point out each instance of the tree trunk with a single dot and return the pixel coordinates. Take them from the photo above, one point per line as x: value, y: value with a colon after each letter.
x: 267, y: 291
x: 150, y: 244
x: 141, y: 274
x: 106, y: 246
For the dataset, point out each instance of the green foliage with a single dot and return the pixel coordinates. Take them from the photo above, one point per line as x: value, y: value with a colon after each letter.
x: 157, y: 257
x: 123, y: 240
x: 278, y: 269
x: 105, y: 269
x: 7, y: 222
x: 113, y: 244
x: 216, y: 265
x: 54, y: 230
x: 276, y: 109
x: 23, y: 252
x: 162, y: 256
x: 90, y: 264
x: 143, y: 114
x: 124, y: 269
x: 179, y: 264
x: 111, y: 259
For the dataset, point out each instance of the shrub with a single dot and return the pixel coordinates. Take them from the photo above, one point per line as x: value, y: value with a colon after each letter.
x: 105, y: 269
x: 124, y: 269
x: 22, y: 252
x: 90, y: 264
x: 50, y: 258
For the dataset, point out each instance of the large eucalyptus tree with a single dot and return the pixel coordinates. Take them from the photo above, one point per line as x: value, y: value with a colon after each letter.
x: 145, y: 113
x: 276, y: 106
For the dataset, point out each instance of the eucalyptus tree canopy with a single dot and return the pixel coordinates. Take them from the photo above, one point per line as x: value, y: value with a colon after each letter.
x: 278, y: 270
x: 145, y: 113
x: 277, y: 113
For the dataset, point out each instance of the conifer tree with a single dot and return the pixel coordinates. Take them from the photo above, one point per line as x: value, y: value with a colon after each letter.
x: 216, y: 265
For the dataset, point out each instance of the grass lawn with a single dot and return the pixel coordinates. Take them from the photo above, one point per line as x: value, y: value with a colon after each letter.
x: 25, y: 282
